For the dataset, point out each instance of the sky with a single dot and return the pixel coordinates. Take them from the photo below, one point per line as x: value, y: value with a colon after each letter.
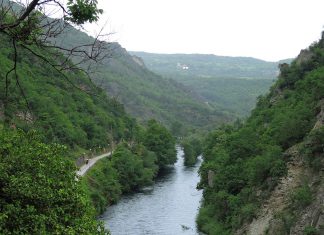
x: 266, y: 29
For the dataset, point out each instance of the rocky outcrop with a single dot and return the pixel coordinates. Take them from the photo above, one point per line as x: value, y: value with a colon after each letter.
x: 211, y: 176
x: 279, y: 197
x: 313, y: 215
x: 304, y: 56
x: 320, y: 116
x: 138, y: 60
x: 267, y: 221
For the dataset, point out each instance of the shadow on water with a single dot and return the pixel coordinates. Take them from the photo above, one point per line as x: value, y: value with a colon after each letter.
x: 165, y: 172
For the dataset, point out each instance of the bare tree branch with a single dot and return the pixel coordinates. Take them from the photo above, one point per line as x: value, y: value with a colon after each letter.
x: 29, y: 26
x: 27, y: 12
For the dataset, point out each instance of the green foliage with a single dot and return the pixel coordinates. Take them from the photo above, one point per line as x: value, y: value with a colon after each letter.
x: 132, y: 174
x: 313, y: 149
x: 287, y: 219
x: 309, y: 230
x: 301, y: 197
x: 39, y: 190
x: 102, y: 185
x: 207, y: 223
x: 248, y: 158
x: 82, y: 11
x: 192, y: 148
x: 226, y: 83
x: 201, y: 65
x: 128, y: 169
x: 145, y: 94
x: 58, y: 110
x: 160, y: 141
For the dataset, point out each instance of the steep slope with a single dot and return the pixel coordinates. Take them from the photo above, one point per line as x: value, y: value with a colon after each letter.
x: 145, y: 94
x: 49, y: 118
x: 238, y: 95
x: 265, y: 176
x: 54, y: 106
x: 232, y: 83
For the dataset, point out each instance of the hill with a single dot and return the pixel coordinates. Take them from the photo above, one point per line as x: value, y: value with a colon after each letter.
x: 204, y: 65
x: 62, y: 111
x: 232, y: 83
x: 265, y: 176
x: 145, y: 94
x: 47, y: 119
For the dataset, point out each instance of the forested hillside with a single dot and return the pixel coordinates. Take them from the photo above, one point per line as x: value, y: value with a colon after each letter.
x: 200, y: 65
x: 145, y: 94
x: 66, y: 109
x: 231, y: 83
x: 237, y: 95
x: 48, y: 117
x: 244, y: 169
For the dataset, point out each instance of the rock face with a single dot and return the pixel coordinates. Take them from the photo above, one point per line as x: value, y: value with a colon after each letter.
x: 313, y: 215
x: 211, y: 176
x: 278, y: 199
x: 267, y: 221
x: 138, y: 60
x: 320, y: 116
x: 304, y: 56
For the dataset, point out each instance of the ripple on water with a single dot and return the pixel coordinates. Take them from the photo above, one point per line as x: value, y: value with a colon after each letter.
x: 169, y: 207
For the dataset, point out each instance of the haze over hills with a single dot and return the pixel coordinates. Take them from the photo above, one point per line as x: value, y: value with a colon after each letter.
x: 145, y: 94
x: 232, y: 83
x: 208, y: 65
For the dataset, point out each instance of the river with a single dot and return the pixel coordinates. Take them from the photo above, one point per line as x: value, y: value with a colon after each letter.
x: 169, y: 207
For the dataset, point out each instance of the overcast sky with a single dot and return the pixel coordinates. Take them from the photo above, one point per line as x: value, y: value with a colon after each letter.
x: 265, y: 29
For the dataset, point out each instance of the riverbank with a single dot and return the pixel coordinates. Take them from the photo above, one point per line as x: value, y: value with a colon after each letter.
x: 169, y: 206
x: 127, y: 170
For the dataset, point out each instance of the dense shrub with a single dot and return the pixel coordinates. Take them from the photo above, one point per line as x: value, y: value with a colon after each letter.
x: 39, y: 193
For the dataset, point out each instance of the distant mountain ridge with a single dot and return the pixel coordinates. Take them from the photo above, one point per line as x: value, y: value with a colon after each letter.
x: 145, y: 94
x: 209, y: 65
x: 231, y: 83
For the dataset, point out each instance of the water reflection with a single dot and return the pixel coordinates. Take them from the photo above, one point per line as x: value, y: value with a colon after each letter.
x: 169, y: 207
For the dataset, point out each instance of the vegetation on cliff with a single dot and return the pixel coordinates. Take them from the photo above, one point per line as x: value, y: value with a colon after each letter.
x: 244, y: 162
x: 145, y: 94
x: 82, y: 118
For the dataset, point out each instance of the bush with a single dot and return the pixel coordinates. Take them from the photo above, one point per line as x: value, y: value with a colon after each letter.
x: 39, y: 193
x: 301, y: 197
x: 309, y: 230
x: 102, y: 185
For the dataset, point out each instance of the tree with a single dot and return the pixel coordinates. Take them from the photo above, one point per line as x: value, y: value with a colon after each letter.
x: 132, y: 174
x: 160, y: 141
x: 30, y: 29
x: 39, y: 190
x: 29, y: 25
